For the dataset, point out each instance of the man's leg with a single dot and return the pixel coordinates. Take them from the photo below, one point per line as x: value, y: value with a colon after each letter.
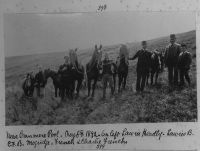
x: 181, y: 77
x: 111, y: 84
x: 38, y: 91
x: 104, y: 79
x: 170, y: 75
x: 144, y: 75
x: 139, y: 75
x: 175, y: 75
x: 187, y: 77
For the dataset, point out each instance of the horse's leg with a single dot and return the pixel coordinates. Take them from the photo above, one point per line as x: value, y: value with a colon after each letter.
x: 93, y: 86
x: 124, y: 82
x: 156, y: 77
x: 79, y: 86
x: 32, y: 90
x: 56, y: 89
x: 62, y: 93
x: 119, y: 82
x: 59, y: 93
x: 147, y: 79
x: 114, y: 80
x: 152, y: 75
x: 89, y: 86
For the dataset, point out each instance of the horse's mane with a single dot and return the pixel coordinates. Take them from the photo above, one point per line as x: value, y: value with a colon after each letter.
x: 96, y: 57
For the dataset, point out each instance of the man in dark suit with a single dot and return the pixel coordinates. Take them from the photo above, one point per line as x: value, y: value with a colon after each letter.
x: 172, y: 52
x: 143, y: 66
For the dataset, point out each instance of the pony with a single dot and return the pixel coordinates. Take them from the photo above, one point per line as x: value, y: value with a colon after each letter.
x: 122, y: 70
x: 28, y: 85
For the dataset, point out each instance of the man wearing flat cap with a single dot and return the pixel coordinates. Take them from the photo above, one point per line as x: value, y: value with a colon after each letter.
x: 142, y: 69
x: 172, y: 52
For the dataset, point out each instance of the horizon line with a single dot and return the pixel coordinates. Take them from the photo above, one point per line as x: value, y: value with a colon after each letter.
x: 43, y: 53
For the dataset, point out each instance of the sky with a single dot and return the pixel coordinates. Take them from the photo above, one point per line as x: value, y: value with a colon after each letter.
x: 42, y: 33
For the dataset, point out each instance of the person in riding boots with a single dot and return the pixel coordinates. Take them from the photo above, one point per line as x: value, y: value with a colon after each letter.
x: 143, y: 66
x: 184, y: 62
x: 172, y: 52
x: 107, y: 73
x: 40, y: 81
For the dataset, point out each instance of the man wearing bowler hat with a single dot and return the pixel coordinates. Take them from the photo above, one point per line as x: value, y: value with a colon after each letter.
x: 171, y: 60
x: 142, y: 70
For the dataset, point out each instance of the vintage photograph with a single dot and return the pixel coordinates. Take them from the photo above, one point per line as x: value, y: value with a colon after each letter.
x: 100, y: 68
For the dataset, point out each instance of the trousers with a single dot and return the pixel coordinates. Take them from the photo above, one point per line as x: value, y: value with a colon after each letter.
x: 107, y: 79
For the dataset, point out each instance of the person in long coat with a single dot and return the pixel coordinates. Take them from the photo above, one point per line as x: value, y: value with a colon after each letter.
x: 171, y: 60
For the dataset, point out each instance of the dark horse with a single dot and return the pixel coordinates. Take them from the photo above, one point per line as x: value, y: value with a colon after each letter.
x: 62, y: 80
x: 28, y: 85
x: 56, y: 78
x: 93, y: 73
x: 155, y: 66
x: 77, y: 73
x: 115, y: 71
x: 122, y: 71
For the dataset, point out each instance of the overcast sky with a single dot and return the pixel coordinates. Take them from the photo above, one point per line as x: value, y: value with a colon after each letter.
x: 39, y: 33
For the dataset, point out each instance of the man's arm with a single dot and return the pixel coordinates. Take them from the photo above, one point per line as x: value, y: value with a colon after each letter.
x: 135, y: 56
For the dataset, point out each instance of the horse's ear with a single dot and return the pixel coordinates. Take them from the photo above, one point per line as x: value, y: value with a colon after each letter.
x: 95, y: 47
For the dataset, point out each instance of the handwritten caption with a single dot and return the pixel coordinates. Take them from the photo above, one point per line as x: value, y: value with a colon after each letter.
x: 99, y: 139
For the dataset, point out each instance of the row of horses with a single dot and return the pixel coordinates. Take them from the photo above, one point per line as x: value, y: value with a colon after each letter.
x: 65, y: 83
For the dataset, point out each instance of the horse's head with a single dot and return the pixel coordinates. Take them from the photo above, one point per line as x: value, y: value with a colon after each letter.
x: 122, y: 59
x: 49, y: 73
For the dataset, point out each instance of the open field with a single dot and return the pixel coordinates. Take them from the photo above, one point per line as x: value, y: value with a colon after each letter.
x: 156, y: 104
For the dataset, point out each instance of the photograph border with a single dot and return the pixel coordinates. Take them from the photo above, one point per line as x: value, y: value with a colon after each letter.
x: 58, y: 6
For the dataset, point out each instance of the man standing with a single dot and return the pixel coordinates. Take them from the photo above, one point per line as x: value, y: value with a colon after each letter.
x: 107, y: 73
x: 142, y: 69
x: 171, y: 59
x: 184, y: 62
x: 40, y: 82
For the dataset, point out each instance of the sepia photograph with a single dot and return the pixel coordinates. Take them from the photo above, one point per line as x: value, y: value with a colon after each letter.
x: 100, y: 68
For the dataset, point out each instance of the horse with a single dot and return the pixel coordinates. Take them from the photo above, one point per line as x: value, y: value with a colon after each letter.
x: 122, y: 71
x: 114, y: 74
x: 93, y: 69
x: 78, y: 74
x: 56, y: 78
x: 28, y: 85
x: 92, y: 73
x: 155, y: 66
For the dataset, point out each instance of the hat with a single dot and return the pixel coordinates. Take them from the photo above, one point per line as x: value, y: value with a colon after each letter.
x: 172, y: 36
x: 144, y: 42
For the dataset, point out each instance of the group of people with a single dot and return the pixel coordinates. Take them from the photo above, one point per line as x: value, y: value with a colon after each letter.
x: 177, y: 59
